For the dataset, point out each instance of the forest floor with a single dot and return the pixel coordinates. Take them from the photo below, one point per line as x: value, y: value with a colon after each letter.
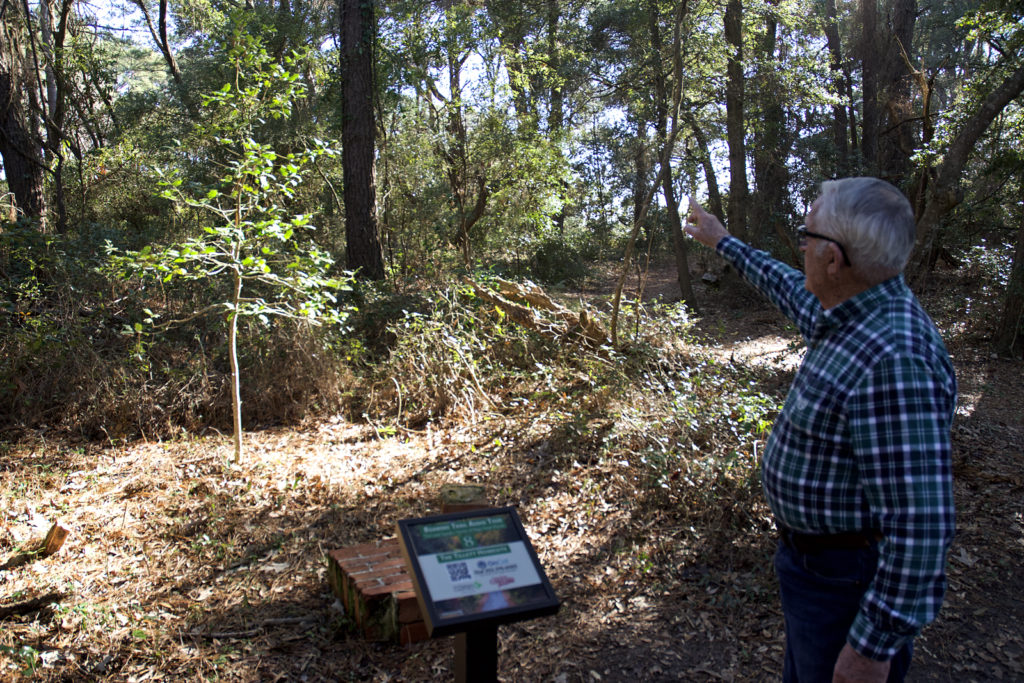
x: 181, y: 566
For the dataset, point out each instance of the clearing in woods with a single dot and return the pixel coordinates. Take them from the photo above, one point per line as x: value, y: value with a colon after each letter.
x: 181, y: 567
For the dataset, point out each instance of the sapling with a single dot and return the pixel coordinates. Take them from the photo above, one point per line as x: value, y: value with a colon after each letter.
x: 249, y: 238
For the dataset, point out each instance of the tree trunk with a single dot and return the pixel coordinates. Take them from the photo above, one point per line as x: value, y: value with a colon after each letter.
x: 358, y: 137
x: 772, y: 143
x: 734, y: 121
x: 457, y: 163
x: 641, y: 170
x: 714, y: 195
x: 1009, y: 339
x: 897, y: 127
x: 56, y: 100
x: 556, y: 111
x: 469, y: 219
x: 516, y: 67
x: 869, y: 58
x: 160, y: 37
x: 944, y: 192
x: 918, y: 189
x: 680, y: 246
x: 512, y: 27
x: 840, y: 87
x: 20, y: 149
x: 236, y: 373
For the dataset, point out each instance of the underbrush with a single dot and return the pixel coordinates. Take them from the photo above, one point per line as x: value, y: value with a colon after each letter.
x: 81, y: 357
x: 635, y: 469
x: 688, y: 426
x: 85, y: 366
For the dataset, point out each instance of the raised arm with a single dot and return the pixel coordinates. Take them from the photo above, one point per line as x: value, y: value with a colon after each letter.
x: 783, y: 285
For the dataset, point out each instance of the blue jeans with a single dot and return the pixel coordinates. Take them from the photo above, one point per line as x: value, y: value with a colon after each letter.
x: 821, y: 595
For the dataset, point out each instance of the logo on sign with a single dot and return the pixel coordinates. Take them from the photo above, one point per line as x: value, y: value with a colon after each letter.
x: 500, y: 581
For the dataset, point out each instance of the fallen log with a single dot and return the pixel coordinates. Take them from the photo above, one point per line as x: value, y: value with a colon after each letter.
x: 566, y: 323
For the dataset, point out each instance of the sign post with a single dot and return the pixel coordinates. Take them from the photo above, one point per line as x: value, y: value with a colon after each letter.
x: 472, y: 572
x: 476, y: 655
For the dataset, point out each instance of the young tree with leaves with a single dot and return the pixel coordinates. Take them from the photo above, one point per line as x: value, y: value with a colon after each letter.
x: 250, y: 239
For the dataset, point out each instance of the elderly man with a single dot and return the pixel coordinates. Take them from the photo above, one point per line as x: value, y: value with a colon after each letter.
x: 857, y: 470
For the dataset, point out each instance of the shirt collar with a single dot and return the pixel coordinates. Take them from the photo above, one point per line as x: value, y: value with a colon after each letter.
x: 857, y: 307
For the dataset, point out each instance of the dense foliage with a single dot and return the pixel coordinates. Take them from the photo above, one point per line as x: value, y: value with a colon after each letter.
x: 522, y: 140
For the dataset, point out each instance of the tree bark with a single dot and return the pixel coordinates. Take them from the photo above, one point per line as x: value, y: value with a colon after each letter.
x: 897, y: 122
x: 358, y: 138
x: 735, y: 121
x: 457, y: 162
x: 53, y: 35
x: 1009, y: 339
x: 680, y: 247
x: 840, y: 87
x: 714, y: 195
x: 20, y: 148
x: 869, y: 83
x: 772, y: 143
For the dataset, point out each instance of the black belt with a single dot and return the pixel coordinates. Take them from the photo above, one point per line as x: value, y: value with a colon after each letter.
x: 812, y: 544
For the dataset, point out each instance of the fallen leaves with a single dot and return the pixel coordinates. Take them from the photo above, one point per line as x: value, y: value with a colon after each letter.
x: 183, y: 567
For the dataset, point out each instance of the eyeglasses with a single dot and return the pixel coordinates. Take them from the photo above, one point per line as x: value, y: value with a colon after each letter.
x: 803, y: 233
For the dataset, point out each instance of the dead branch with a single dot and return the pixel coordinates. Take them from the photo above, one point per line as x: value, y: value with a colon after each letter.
x: 30, y: 606
x: 251, y: 633
x: 565, y: 323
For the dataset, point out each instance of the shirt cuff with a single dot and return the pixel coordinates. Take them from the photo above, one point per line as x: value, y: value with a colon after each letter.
x: 872, y: 642
x: 729, y: 246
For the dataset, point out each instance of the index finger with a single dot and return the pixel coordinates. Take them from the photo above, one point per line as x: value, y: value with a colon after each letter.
x: 695, y: 209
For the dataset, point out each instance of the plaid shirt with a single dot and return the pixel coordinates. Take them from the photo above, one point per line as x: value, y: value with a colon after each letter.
x: 863, y: 441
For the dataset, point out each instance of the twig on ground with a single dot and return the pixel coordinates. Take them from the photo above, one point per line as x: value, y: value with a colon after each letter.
x: 29, y: 606
x: 236, y: 635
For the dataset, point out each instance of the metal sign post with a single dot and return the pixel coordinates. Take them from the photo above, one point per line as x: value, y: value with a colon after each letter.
x: 473, y: 571
x: 476, y: 655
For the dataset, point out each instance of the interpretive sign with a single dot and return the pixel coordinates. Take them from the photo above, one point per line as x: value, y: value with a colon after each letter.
x: 474, y: 568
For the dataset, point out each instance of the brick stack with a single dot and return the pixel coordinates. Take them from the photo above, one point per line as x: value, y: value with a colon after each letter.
x: 371, y: 582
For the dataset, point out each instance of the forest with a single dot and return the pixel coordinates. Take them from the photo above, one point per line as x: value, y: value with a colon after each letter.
x: 275, y: 272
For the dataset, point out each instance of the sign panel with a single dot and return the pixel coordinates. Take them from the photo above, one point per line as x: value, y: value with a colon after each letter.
x: 474, y: 567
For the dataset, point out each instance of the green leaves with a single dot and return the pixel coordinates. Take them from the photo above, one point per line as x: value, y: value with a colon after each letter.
x: 247, y: 232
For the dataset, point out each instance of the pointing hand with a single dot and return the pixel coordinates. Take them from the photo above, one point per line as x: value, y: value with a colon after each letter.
x: 703, y: 226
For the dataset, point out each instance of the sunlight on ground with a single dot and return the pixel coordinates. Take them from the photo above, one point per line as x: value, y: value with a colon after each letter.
x: 777, y: 352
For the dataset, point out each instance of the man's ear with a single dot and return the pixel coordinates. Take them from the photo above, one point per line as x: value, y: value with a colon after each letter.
x: 835, y: 259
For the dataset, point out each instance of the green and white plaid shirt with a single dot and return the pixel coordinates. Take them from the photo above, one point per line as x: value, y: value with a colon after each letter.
x: 863, y: 441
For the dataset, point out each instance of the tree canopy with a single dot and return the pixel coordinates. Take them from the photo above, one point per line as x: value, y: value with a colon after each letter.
x: 532, y: 139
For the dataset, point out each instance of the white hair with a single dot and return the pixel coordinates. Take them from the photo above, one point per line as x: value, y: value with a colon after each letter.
x: 873, y: 221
